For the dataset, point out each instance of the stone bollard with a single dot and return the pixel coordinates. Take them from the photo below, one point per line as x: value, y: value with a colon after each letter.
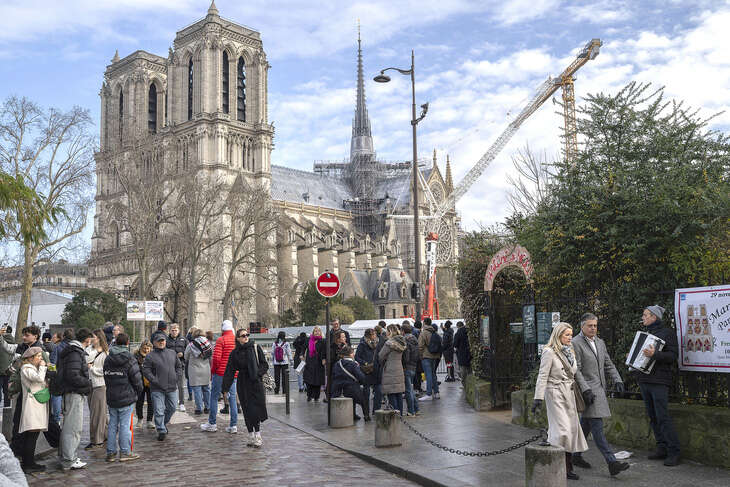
x: 341, y: 412
x: 544, y: 465
x: 8, y: 422
x: 387, y: 428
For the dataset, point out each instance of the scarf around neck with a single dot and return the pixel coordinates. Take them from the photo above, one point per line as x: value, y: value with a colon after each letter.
x: 313, y: 339
x: 568, y: 352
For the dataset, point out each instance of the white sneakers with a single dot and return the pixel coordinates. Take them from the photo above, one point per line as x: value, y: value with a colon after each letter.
x: 251, y: 439
x: 181, y: 408
x: 257, y: 441
x: 211, y: 428
x: 77, y: 464
x: 232, y: 429
x: 150, y: 425
x: 425, y: 398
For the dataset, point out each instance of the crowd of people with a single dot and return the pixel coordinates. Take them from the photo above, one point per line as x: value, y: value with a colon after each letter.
x: 392, y: 363
x: 52, y: 377
x: 572, y: 383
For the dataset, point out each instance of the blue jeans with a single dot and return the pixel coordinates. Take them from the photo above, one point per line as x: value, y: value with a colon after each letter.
x: 396, y: 401
x: 56, y: 405
x: 432, y: 385
x: 410, y: 395
x: 120, y: 420
x: 216, y: 385
x: 656, y: 400
x: 594, y: 426
x: 300, y: 381
x: 165, y: 404
x: 202, y: 397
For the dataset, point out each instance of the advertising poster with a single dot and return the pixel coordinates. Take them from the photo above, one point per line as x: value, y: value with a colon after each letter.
x: 544, y: 327
x: 528, y: 323
x: 135, y: 310
x: 703, y: 328
x: 153, y: 310
x: 484, y: 330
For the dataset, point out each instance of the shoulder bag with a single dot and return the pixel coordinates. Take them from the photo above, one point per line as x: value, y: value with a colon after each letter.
x: 580, y: 404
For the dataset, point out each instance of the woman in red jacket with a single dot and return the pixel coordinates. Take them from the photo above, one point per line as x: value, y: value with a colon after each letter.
x: 223, y: 347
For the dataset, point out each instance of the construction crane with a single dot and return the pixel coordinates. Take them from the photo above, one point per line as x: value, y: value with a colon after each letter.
x: 544, y: 91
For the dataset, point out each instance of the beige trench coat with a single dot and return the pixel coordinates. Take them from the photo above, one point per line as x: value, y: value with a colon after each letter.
x: 554, y: 387
x: 35, y: 414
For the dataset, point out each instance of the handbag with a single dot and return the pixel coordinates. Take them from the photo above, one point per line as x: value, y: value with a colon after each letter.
x: 42, y: 396
x: 367, y: 368
x: 580, y: 404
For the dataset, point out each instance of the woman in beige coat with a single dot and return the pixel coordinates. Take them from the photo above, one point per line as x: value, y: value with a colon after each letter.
x: 34, y: 417
x: 97, y: 353
x: 555, y: 385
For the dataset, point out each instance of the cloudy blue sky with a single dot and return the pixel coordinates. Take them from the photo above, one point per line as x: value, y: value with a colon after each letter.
x: 477, y: 62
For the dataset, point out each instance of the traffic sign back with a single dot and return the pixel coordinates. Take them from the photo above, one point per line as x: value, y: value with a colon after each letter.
x: 328, y: 284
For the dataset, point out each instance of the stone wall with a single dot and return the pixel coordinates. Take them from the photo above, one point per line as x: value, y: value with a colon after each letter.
x: 703, y: 431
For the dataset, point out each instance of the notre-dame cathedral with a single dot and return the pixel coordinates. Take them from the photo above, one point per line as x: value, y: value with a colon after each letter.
x: 204, y: 108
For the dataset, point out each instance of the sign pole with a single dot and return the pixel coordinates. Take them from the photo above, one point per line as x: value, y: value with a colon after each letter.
x: 329, y: 358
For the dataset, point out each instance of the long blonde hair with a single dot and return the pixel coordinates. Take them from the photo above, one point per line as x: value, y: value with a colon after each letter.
x: 554, y: 343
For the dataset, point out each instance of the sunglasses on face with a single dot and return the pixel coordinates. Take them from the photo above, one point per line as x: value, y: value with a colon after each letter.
x: 243, y: 335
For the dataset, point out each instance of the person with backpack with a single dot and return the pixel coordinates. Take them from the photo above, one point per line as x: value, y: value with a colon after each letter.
x: 123, y: 381
x: 347, y: 379
x: 429, y: 346
x: 198, y: 355
x: 281, y: 357
x: 73, y: 383
x: 300, y: 355
x: 449, y: 351
x: 411, y: 358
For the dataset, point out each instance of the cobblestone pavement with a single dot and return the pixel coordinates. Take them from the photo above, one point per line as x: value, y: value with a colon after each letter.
x: 191, y: 457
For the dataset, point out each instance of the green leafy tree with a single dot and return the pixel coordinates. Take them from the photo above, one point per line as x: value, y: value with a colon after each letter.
x: 92, y: 308
x: 310, y: 304
x: 339, y: 311
x: 362, y: 308
x: 644, y: 209
x: 289, y: 318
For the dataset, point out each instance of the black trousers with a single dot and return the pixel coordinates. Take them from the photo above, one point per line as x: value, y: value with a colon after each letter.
x: 28, y: 440
x: 656, y: 400
x: 140, y: 404
x: 4, y: 384
x: 278, y: 375
x: 355, y: 392
x: 313, y: 391
x: 417, y: 377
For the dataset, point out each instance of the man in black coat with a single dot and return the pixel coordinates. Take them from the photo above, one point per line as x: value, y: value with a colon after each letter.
x: 347, y: 379
x: 73, y: 371
x: 448, y: 345
x: 300, y: 354
x: 178, y: 344
x: 655, y: 386
x: 461, y: 347
x: 123, y: 381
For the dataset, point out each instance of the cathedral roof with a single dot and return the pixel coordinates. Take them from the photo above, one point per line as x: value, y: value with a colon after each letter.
x: 296, y: 186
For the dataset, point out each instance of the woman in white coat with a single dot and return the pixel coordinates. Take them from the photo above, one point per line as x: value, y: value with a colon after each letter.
x: 555, y: 383
x: 34, y: 418
x: 97, y: 353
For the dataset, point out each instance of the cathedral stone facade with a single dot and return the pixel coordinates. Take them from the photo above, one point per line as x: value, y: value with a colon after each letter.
x: 203, y: 109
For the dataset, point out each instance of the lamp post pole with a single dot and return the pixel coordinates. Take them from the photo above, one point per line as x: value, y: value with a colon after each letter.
x: 416, y: 235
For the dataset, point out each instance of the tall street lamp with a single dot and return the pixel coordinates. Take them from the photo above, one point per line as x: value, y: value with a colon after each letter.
x: 383, y: 78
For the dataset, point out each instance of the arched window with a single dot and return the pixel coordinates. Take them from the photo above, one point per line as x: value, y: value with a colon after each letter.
x: 190, y: 90
x: 121, y: 113
x: 152, y: 110
x: 241, y: 89
x: 116, y: 235
x: 224, y: 91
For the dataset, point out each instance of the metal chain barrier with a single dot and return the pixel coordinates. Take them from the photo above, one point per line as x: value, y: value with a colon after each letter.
x: 472, y: 453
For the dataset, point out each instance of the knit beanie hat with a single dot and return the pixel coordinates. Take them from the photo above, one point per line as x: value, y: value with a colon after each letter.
x: 227, y: 325
x: 656, y: 310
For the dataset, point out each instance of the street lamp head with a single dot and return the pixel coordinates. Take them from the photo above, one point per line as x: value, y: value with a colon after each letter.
x: 381, y: 78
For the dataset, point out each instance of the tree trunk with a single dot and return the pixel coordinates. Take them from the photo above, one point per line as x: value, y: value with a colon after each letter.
x: 192, y: 305
x: 29, y: 257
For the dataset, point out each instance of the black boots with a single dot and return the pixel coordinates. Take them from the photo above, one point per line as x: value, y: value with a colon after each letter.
x: 614, y: 468
x: 578, y: 461
x: 569, y: 467
x: 659, y: 454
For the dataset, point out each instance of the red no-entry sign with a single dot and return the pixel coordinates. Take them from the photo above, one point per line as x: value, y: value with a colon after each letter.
x: 328, y: 284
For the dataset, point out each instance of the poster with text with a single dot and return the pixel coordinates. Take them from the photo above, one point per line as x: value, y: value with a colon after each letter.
x: 135, y: 310
x: 528, y: 323
x: 703, y: 328
x: 153, y: 310
x: 544, y: 327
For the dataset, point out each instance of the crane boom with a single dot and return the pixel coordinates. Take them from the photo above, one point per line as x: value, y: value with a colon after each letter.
x: 544, y: 92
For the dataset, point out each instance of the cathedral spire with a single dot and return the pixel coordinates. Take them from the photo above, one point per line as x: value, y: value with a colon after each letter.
x: 362, y: 142
x: 449, y: 180
x: 213, y: 10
